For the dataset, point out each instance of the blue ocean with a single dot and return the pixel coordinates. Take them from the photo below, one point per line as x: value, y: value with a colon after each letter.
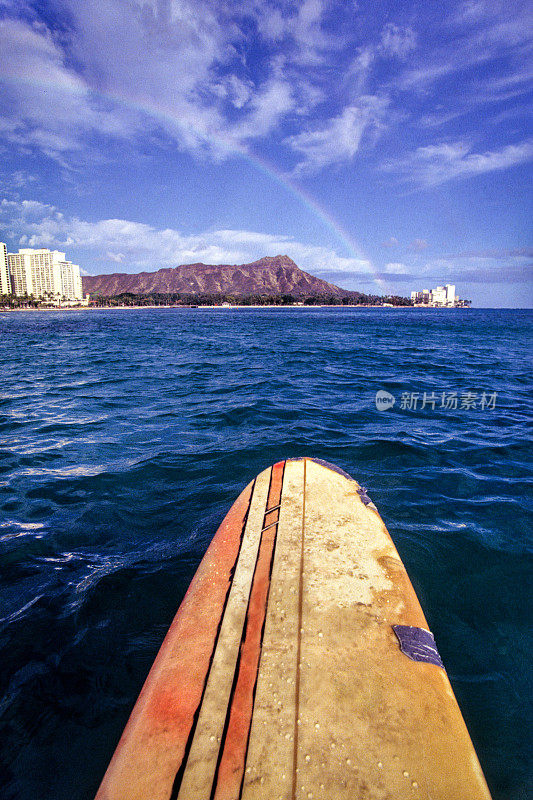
x: 127, y: 434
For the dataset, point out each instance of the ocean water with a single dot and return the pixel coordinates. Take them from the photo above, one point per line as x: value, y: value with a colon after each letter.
x: 126, y: 435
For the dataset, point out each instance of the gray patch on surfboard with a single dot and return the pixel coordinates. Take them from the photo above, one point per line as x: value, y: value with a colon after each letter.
x: 418, y: 644
x: 364, y: 497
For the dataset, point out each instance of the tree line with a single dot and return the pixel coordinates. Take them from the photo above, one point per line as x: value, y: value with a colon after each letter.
x: 211, y: 299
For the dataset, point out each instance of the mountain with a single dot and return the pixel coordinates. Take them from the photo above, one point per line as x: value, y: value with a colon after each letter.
x: 272, y: 275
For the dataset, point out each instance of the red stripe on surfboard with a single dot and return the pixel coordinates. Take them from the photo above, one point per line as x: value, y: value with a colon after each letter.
x: 156, y: 736
x: 231, y: 764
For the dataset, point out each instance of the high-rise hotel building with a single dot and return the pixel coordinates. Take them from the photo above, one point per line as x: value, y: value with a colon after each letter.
x: 44, y: 274
x: 441, y: 296
x: 5, y: 279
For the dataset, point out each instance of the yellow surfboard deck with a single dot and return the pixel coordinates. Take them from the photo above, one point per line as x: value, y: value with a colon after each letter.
x: 284, y: 673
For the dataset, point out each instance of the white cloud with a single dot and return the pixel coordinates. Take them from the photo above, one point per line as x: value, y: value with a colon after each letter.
x: 12, y: 182
x: 503, y: 267
x: 358, y: 72
x: 265, y: 110
x: 162, y: 79
x: 109, y: 245
x: 238, y: 91
x: 185, y: 71
x: 137, y: 246
x: 435, y: 164
x: 299, y: 27
x: 339, y: 138
x: 306, y: 27
x: 397, y: 41
x: 396, y: 268
x: 505, y: 86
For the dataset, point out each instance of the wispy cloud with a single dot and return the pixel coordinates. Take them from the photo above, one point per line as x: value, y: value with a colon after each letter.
x: 397, y: 40
x: 265, y: 110
x: 181, y: 69
x: 308, y: 81
x: 338, y: 139
x: 474, y: 34
x: 185, y: 71
x: 33, y: 66
x: 13, y: 182
x: 301, y: 28
x: 435, y: 164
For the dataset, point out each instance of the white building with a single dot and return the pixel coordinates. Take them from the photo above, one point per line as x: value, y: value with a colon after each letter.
x: 20, y: 272
x: 70, y: 281
x: 45, y: 274
x: 438, y: 296
x: 441, y: 296
x: 5, y: 280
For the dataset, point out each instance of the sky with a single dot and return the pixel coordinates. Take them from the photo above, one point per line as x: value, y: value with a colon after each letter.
x: 384, y: 146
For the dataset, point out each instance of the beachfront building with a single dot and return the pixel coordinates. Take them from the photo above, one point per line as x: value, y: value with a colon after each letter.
x: 70, y: 281
x: 20, y: 274
x: 441, y: 296
x: 5, y: 280
x: 45, y: 274
x: 450, y: 294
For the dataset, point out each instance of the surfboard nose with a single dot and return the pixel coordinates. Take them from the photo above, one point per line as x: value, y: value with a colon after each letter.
x: 286, y: 673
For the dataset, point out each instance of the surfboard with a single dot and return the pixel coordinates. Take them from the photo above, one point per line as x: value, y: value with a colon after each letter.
x: 299, y: 664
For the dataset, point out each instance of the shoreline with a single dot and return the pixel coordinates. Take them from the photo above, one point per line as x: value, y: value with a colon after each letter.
x: 233, y: 308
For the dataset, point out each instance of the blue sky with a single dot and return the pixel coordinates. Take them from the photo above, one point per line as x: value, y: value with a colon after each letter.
x: 385, y: 146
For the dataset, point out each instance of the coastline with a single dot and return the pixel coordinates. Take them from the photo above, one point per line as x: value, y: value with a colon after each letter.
x: 232, y: 308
